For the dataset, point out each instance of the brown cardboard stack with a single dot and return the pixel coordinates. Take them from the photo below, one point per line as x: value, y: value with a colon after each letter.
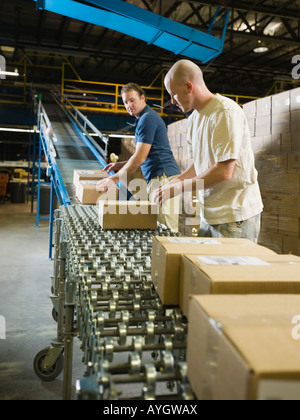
x: 275, y: 128
x: 189, y: 221
x: 167, y: 253
x: 244, y: 347
x: 240, y: 274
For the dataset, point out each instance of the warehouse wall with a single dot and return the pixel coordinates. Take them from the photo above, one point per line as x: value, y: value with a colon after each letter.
x: 275, y: 128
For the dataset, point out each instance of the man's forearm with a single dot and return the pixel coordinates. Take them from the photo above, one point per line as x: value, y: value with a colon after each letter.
x: 189, y: 173
x: 218, y: 173
x: 130, y: 167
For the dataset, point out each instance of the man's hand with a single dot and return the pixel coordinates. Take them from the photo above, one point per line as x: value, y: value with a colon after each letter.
x: 114, y: 167
x: 106, y: 184
x: 168, y: 191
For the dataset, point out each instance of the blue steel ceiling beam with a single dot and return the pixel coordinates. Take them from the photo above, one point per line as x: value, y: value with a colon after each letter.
x: 142, y: 24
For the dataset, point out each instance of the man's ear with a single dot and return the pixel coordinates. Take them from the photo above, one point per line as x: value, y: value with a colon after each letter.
x: 189, y: 86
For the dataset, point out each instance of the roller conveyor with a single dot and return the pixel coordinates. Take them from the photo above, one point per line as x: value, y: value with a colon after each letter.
x: 133, y: 347
x: 103, y: 293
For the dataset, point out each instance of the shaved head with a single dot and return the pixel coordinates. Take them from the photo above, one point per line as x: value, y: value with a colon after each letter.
x: 184, y: 82
x: 185, y: 71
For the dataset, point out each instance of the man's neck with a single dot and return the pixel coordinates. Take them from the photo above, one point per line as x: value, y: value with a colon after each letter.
x: 203, y: 101
x: 140, y: 113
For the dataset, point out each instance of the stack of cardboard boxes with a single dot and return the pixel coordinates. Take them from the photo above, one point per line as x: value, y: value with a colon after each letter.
x: 242, y: 302
x: 275, y: 129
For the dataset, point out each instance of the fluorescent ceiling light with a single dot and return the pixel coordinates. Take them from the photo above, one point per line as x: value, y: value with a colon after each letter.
x: 18, y: 130
x: 7, y: 49
x: 123, y: 136
x: 9, y: 73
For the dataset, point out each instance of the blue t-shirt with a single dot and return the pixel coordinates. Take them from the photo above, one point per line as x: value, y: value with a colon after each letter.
x: 151, y: 129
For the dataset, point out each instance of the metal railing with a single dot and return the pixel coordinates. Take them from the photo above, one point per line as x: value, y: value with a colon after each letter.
x: 83, y: 123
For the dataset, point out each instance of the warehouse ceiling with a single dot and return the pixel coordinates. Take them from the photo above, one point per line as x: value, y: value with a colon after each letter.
x: 100, y: 54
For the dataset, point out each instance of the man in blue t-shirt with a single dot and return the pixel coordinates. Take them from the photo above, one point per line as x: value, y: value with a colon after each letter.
x: 153, y: 154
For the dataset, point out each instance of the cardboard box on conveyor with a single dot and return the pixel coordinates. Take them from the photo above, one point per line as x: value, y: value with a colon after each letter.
x: 244, y: 347
x: 217, y: 274
x: 128, y: 214
x: 167, y: 252
x: 85, y: 182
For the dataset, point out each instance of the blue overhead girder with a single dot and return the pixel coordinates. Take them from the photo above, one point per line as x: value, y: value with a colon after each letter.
x: 144, y: 25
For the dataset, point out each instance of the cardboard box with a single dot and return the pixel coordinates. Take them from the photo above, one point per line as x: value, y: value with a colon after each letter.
x: 252, y: 126
x: 281, y: 103
x: 294, y: 161
x: 250, y: 109
x: 167, y: 252
x: 291, y: 245
x: 295, y: 99
x: 281, y: 123
x: 128, y: 215
x: 87, y: 175
x: 217, y: 274
x: 263, y: 107
x: 87, y: 194
x: 244, y: 347
x: 263, y: 125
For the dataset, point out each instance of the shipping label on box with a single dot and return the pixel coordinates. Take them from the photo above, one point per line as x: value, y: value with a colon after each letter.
x: 166, y: 259
x: 243, y: 347
x: 241, y: 274
x: 128, y: 215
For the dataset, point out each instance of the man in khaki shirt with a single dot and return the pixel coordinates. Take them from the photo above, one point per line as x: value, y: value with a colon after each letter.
x: 220, y: 146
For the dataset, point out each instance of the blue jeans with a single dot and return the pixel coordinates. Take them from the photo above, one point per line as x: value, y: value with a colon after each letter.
x: 248, y: 229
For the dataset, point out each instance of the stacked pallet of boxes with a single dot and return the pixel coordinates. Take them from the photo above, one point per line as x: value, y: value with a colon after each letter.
x: 189, y: 216
x: 275, y: 129
x: 242, y: 304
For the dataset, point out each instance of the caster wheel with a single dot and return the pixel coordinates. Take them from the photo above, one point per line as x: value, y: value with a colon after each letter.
x: 53, y: 372
x: 54, y: 314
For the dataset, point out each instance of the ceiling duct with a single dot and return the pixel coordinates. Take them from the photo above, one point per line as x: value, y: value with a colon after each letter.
x: 147, y: 26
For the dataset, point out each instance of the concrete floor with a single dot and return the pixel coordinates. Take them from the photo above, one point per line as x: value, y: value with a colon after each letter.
x: 25, y: 304
x: 25, y: 284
